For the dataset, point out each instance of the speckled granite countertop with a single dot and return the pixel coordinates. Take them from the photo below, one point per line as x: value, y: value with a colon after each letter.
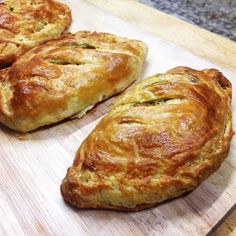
x: 218, y: 16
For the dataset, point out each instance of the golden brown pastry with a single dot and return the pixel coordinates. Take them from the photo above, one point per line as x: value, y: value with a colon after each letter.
x: 161, y: 139
x: 65, y: 76
x: 27, y: 23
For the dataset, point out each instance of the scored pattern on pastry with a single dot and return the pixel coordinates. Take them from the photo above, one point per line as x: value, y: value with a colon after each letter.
x: 161, y: 139
x: 27, y: 23
x: 65, y: 76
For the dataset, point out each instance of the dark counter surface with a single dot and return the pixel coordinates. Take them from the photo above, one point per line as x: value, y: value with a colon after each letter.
x: 218, y: 16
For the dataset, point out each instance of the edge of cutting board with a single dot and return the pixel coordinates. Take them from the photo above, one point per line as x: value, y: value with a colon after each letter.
x: 215, y: 48
x: 226, y: 226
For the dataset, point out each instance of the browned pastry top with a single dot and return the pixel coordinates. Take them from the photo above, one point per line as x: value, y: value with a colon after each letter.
x: 26, y: 23
x: 161, y: 139
x: 65, y: 76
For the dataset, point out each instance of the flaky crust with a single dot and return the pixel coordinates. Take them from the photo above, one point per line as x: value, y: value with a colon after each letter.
x: 65, y: 76
x: 161, y: 139
x: 27, y: 23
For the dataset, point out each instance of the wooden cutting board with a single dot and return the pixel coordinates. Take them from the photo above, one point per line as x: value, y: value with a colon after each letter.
x: 33, y: 165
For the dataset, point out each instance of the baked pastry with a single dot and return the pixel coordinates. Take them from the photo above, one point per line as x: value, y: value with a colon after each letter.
x: 27, y: 23
x: 161, y: 139
x: 67, y: 76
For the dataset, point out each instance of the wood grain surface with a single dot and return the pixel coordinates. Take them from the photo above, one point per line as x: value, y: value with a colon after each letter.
x: 201, y: 42
x: 33, y: 165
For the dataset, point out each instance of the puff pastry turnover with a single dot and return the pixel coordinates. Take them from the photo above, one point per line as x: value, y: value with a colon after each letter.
x: 27, y: 23
x: 65, y: 76
x: 161, y: 139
